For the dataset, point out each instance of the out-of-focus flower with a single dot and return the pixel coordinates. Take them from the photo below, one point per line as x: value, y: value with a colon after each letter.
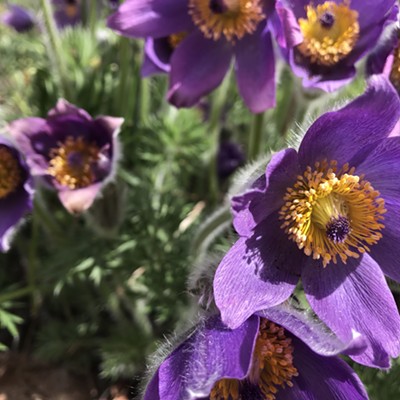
x: 323, y: 40
x: 74, y: 153
x: 230, y: 157
x: 18, y: 18
x: 67, y: 12
x: 196, y: 41
x: 385, y: 59
x: 16, y: 190
x: 278, y: 356
x: 328, y: 213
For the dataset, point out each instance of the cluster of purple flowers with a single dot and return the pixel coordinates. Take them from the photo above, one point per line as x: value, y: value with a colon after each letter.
x: 69, y: 152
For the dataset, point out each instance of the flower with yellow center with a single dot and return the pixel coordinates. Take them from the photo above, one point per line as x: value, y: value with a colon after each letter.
x: 72, y: 162
x: 332, y: 212
x: 271, y: 369
x: 330, y: 33
x: 231, y: 19
x: 10, y: 172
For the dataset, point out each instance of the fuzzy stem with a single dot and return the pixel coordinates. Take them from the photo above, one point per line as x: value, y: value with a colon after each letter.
x: 125, y: 69
x: 56, y: 47
x: 255, y: 137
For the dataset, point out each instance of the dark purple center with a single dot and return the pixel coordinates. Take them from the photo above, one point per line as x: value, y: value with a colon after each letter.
x: 327, y: 20
x: 338, y: 229
x: 217, y: 6
x: 75, y: 159
x: 71, y: 2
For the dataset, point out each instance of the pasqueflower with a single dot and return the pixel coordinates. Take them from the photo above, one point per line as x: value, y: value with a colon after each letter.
x: 16, y: 190
x: 275, y: 356
x: 329, y: 214
x: 73, y: 153
x: 18, y: 18
x: 67, y: 12
x: 203, y: 36
x: 323, y: 40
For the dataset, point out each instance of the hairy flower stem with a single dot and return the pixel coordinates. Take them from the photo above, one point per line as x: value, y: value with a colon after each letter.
x: 56, y: 48
x: 125, y: 69
x: 217, y: 105
x: 255, y: 138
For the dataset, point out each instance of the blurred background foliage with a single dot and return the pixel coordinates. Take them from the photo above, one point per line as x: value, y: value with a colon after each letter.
x: 98, y: 292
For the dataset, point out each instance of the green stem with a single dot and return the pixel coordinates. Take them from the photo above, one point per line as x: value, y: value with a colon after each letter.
x: 92, y: 16
x: 125, y: 69
x: 144, y: 106
x: 56, y: 47
x: 15, y: 294
x: 255, y: 137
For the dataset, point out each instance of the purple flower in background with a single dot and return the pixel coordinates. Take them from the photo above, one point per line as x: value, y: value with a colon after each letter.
x: 67, y: 12
x: 196, y: 41
x: 330, y: 214
x: 229, y: 158
x: 18, y: 18
x: 278, y: 356
x: 323, y: 40
x: 385, y: 59
x: 16, y: 190
x: 74, y: 153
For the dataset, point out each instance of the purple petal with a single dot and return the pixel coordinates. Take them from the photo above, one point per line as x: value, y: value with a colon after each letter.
x: 157, y: 55
x: 351, y: 297
x: 338, y: 135
x: 18, y: 18
x: 257, y: 273
x: 155, y: 18
x: 289, y: 34
x: 63, y: 107
x: 266, y: 195
x: 198, y: 65
x: 79, y: 200
x: 321, y: 378
x: 315, y: 335
x: 255, y: 70
x: 371, y: 12
x: 209, y: 354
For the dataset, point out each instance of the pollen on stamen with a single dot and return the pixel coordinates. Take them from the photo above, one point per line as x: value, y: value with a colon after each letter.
x: 395, y: 71
x: 330, y: 32
x: 72, y: 162
x: 232, y: 19
x: 332, y: 213
x: 10, y: 172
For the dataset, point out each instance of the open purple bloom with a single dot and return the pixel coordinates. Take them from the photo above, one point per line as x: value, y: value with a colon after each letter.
x: 18, y: 18
x: 74, y: 153
x: 16, y: 190
x: 328, y: 213
x: 385, y: 59
x: 197, y: 40
x: 323, y: 40
x: 67, y: 12
x: 274, y: 356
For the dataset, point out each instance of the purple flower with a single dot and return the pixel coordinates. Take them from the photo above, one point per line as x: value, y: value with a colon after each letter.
x: 67, y: 12
x: 323, y: 40
x: 16, y: 190
x: 328, y: 213
x: 230, y: 157
x: 74, y: 153
x: 275, y: 356
x: 385, y: 59
x: 199, y: 39
x: 18, y: 18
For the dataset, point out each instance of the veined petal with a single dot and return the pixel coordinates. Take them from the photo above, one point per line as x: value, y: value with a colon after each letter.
x: 351, y: 297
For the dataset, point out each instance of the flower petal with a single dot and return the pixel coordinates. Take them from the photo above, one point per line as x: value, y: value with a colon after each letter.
x: 266, y: 194
x: 314, y: 334
x: 63, y: 107
x: 289, y: 33
x: 351, y: 297
x: 212, y: 352
x: 338, y: 135
x: 79, y: 200
x: 155, y: 18
x: 255, y: 70
x: 321, y: 378
x: 256, y: 273
x: 198, y: 65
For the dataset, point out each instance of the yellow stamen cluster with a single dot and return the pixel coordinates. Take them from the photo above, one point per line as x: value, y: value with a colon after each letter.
x: 71, y: 163
x: 330, y: 32
x: 10, y: 172
x: 272, y: 366
x: 175, y: 39
x: 234, y: 18
x: 71, y: 8
x: 395, y: 72
x: 323, y: 196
